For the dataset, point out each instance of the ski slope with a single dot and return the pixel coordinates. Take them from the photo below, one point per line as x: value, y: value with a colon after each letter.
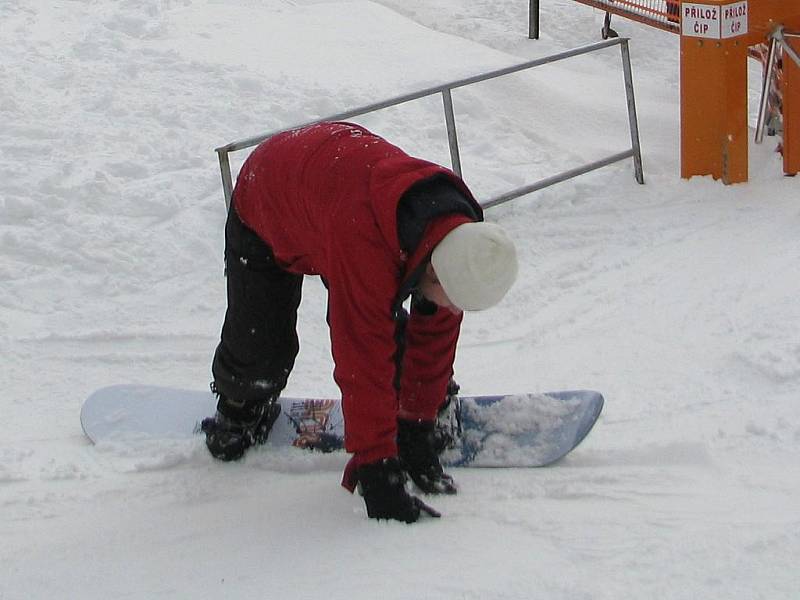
x: 677, y: 299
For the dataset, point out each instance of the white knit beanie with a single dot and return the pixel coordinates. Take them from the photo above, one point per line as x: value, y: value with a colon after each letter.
x: 476, y: 263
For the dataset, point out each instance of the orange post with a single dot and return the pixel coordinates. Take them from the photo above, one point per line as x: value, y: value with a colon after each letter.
x: 765, y: 17
x: 791, y: 110
x: 715, y: 35
x: 714, y: 132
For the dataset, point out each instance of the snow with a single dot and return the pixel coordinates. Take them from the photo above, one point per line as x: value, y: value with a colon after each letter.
x: 677, y: 299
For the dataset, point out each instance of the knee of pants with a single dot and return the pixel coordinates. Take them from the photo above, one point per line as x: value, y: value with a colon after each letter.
x: 250, y: 383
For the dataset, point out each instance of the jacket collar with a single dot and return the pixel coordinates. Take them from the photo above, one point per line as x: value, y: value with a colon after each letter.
x: 415, y: 264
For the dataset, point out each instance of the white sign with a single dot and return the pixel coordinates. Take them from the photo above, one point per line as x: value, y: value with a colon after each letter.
x: 701, y: 20
x: 714, y: 21
x: 734, y: 19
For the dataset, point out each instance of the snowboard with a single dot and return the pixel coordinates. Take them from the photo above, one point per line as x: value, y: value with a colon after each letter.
x: 514, y: 430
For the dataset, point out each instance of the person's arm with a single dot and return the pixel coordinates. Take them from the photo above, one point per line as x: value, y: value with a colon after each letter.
x: 362, y: 282
x: 431, y: 336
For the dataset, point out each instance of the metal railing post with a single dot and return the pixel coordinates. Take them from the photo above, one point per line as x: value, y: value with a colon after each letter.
x: 765, y: 89
x: 533, y: 20
x: 227, y: 181
x: 452, y: 136
x: 787, y: 48
x: 632, y: 118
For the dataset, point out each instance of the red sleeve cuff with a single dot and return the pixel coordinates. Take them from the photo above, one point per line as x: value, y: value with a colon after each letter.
x: 350, y: 475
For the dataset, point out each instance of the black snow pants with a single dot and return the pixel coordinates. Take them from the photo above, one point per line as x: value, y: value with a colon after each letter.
x: 259, y: 344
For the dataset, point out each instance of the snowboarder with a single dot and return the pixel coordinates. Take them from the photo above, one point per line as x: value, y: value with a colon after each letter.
x: 378, y: 226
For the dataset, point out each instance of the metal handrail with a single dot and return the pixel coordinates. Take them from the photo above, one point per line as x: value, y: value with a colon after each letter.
x: 787, y: 48
x: 776, y: 38
x: 445, y: 90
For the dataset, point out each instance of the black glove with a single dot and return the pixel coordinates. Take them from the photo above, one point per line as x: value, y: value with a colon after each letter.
x: 417, y: 448
x: 383, y: 486
x: 448, y: 429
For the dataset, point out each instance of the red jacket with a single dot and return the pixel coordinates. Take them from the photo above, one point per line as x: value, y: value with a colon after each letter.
x: 325, y: 199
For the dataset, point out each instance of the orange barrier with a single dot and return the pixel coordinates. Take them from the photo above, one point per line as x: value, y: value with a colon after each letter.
x: 716, y: 38
x: 766, y: 18
x: 779, y: 79
x: 790, y: 92
x: 663, y: 14
x: 714, y: 133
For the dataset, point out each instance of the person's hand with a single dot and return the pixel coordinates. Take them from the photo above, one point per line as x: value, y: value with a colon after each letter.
x: 383, y: 486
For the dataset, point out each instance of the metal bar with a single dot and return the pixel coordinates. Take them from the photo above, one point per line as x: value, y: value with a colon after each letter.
x: 452, y: 136
x: 445, y: 90
x: 632, y: 119
x: 252, y: 141
x: 533, y: 20
x: 548, y: 181
x: 765, y: 87
x: 227, y: 181
x: 786, y: 47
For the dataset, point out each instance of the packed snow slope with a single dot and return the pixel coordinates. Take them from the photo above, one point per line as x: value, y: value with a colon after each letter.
x: 677, y: 299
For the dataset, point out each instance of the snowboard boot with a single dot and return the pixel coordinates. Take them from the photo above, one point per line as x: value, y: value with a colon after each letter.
x: 417, y: 449
x: 234, y: 429
x: 383, y: 487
